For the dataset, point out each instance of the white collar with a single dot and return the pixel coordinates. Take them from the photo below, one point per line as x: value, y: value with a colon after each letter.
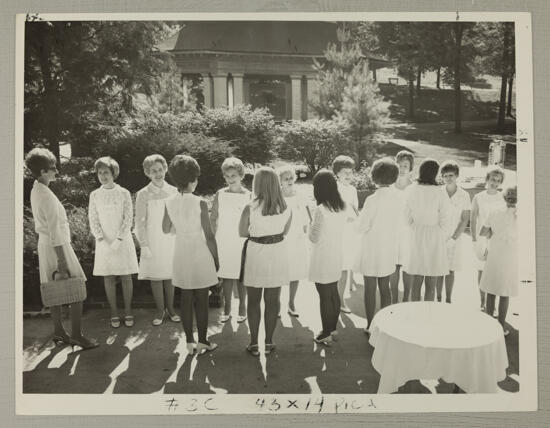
x: 154, y: 188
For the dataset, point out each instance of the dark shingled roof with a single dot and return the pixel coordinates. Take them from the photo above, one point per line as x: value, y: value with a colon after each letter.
x: 271, y: 37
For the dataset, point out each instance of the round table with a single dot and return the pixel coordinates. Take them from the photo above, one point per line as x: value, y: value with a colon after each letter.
x: 432, y: 340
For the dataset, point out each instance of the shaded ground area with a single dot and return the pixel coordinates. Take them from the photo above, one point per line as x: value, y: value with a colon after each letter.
x: 147, y: 359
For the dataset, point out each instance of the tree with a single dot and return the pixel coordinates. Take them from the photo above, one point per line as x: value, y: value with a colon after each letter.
x: 363, y: 110
x: 84, y: 73
x: 347, y: 93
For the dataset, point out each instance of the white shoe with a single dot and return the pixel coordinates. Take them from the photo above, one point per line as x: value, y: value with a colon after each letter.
x: 225, y: 318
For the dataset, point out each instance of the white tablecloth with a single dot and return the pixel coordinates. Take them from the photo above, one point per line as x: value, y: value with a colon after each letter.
x: 431, y: 340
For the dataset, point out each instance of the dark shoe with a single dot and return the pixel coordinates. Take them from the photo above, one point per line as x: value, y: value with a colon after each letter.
x: 253, y: 350
x: 84, y: 343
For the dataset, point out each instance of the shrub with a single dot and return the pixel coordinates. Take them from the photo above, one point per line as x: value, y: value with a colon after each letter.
x: 250, y: 131
x: 316, y: 142
x: 361, y: 179
x: 130, y: 150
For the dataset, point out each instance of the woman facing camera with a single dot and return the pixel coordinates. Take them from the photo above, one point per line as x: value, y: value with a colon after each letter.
x: 55, y: 253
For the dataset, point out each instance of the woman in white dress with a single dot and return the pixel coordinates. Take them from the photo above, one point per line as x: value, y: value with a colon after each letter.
x: 227, y: 208
x: 55, y: 253
x: 342, y: 167
x: 195, y: 259
x: 325, y: 267
x: 297, y: 243
x: 157, y: 248
x: 377, y: 226
x: 264, y: 222
x: 461, y: 206
x: 482, y: 205
x: 500, y: 276
x: 428, y: 212
x: 110, y: 214
x: 405, y: 160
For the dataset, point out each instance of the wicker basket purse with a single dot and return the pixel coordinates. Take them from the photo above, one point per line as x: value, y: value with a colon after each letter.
x: 63, y: 291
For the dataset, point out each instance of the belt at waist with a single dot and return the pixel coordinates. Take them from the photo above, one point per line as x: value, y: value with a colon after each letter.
x: 266, y: 240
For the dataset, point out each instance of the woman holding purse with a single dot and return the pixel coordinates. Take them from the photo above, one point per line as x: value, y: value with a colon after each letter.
x: 56, y: 257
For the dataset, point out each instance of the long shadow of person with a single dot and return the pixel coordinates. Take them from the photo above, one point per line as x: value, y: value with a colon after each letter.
x: 66, y: 371
x: 150, y: 360
x: 295, y: 364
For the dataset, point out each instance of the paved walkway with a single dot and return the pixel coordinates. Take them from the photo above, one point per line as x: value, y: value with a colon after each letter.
x: 147, y: 359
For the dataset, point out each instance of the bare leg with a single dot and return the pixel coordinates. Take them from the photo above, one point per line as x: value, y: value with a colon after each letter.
x: 407, y: 285
x: 342, y: 289
x: 227, y: 286
x: 394, y: 284
x: 293, y: 288
x: 439, y: 288
x: 272, y: 302
x: 127, y: 291
x: 449, y: 282
x: 490, y: 308
x: 370, y: 297
x: 385, y: 293
x: 335, y: 299
x: 186, y: 307
x: 158, y: 297
x: 200, y: 304
x: 430, y: 288
x: 503, y: 303
x: 254, y: 296
x: 169, y: 293
x: 110, y: 292
x: 242, y: 298
x: 417, y: 288
x: 58, y: 329
x: 481, y: 293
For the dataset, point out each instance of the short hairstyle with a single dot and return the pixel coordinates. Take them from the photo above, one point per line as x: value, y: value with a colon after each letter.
x: 183, y: 170
x: 267, y: 191
x: 495, y: 170
x: 384, y: 171
x: 286, y: 169
x: 405, y: 155
x: 107, y: 162
x: 450, y: 166
x: 325, y: 190
x: 341, y: 162
x: 150, y: 160
x: 39, y: 159
x: 233, y: 163
x: 427, y: 172
x: 510, y: 195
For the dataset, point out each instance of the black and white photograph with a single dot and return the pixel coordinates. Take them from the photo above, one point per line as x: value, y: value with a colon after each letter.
x: 275, y: 213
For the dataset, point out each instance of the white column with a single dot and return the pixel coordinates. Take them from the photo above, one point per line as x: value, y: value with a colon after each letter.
x: 296, y: 85
x: 312, y: 87
x: 220, y: 90
x: 207, y: 90
x: 238, y: 92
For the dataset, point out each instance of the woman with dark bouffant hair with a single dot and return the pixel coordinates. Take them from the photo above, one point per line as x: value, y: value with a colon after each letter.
x: 429, y: 215
x: 55, y: 253
x: 325, y: 266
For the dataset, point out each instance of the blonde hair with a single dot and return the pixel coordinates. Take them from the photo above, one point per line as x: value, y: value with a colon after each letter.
x: 286, y: 169
x: 150, y: 160
x: 267, y: 191
x: 495, y: 170
x: 233, y: 163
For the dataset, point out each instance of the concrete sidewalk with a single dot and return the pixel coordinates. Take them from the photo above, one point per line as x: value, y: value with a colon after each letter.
x: 145, y: 359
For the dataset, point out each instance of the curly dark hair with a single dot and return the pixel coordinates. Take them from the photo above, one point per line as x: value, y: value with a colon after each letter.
x: 183, y: 170
x: 384, y: 171
x: 427, y: 172
x: 39, y: 159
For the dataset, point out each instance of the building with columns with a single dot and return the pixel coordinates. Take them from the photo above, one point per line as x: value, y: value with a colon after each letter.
x: 264, y: 64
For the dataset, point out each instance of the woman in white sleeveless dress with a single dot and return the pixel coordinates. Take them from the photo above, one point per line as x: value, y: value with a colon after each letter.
x: 265, y: 222
x: 225, y: 215
x: 195, y: 259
